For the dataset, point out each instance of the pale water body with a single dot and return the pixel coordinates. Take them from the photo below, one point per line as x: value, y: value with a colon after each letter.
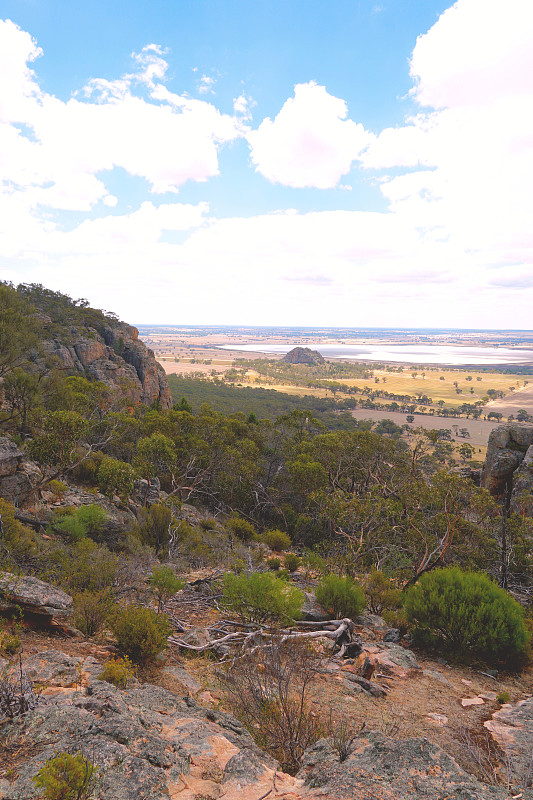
x: 454, y: 355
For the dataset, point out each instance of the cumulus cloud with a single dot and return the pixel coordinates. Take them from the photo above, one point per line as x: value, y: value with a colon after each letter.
x: 54, y: 151
x: 310, y: 143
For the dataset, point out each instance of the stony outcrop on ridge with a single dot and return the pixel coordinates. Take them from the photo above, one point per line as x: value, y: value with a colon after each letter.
x: 147, y: 742
x: 18, y: 475
x: 115, y: 356
x: 303, y: 355
x: 34, y: 596
x: 508, y: 468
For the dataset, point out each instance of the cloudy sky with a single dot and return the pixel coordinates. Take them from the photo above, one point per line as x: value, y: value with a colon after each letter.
x: 272, y: 162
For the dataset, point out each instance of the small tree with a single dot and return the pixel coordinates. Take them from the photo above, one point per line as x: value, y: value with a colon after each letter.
x: 164, y: 583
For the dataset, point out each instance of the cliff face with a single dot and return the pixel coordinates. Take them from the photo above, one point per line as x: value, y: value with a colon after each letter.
x: 508, y: 469
x: 113, y: 355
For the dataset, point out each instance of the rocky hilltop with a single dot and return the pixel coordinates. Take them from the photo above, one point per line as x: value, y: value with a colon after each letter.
x: 303, y: 355
x: 114, y: 355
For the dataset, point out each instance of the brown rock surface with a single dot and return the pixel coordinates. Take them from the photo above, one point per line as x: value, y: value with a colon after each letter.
x: 506, y: 451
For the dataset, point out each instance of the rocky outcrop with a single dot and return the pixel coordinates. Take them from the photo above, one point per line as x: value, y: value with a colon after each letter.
x: 512, y: 728
x: 508, y: 468
x: 114, y: 356
x: 147, y: 742
x: 303, y: 355
x: 34, y: 597
x: 18, y: 475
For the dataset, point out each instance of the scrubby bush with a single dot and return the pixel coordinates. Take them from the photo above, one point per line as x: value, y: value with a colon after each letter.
x: 91, y: 610
x: 93, y: 518
x: 240, y: 528
x: 84, y: 565
x: 75, y: 524
x: 208, y: 524
x: 340, y: 596
x: 291, y: 562
x: 466, y: 611
x: 117, y: 671
x: 274, y: 563
x: 65, y: 777
x: 141, y: 633
x: 261, y: 597
x: 58, y: 488
x: 165, y: 583
x: 9, y: 643
x: 503, y: 697
x: 115, y: 477
x: 18, y: 544
x: 380, y: 594
x: 153, y: 526
x: 277, y: 540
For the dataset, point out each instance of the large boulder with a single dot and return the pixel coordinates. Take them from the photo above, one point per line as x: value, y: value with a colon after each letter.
x: 34, y: 597
x: 512, y: 728
x: 507, y: 449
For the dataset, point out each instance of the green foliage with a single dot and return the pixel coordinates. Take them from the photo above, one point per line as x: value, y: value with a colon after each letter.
x: 115, y: 477
x: 274, y: 563
x: 65, y: 777
x: 240, y: 528
x: 291, y: 562
x: 84, y: 565
x: 18, y: 327
x: 58, y: 488
x: 340, y: 596
x: 91, y: 610
x: 380, y: 594
x: 63, y: 432
x: 208, y: 524
x: 155, y: 455
x: 76, y: 524
x: 503, y: 697
x: 117, y: 671
x: 10, y: 643
x: 277, y: 540
x: 141, y: 633
x: 165, y: 583
x: 261, y: 598
x: 466, y: 611
x: 153, y: 526
x: 18, y: 544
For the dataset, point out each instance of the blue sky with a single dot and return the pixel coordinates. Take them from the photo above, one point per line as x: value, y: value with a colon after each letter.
x: 312, y: 163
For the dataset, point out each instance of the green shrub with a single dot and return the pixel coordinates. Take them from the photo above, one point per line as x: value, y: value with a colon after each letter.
x: 65, y: 777
x: 240, y: 528
x: 118, y: 671
x: 74, y: 524
x: 274, y: 563
x: 380, y: 594
x: 261, y: 598
x: 85, y: 565
x: 93, y: 518
x: 58, y: 488
x: 291, y: 562
x: 18, y: 544
x: 277, y: 540
x: 91, y: 610
x: 165, y: 583
x: 340, y: 596
x: 115, y: 477
x: 503, y: 697
x: 208, y: 524
x: 466, y: 611
x: 141, y: 633
x: 9, y: 643
x: 153, y: 526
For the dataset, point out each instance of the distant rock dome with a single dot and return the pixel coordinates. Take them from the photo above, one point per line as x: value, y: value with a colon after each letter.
x: 303, y: 355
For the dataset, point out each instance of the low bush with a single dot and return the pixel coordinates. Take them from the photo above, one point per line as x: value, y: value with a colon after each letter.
x: 380, y: 594
x: 141, y: 633
x: 75, y: 524
x: 10, y: 643
x: 118, y: 671
x: 91, y: 610
x: 503, y: 697
x: 153, y: 526
x: 261, y: 597
x: 466, y: 612
x: 240, y: 528
x: 58, y: 488
x: 65, y: 777
x: 18, y: 544
x: 277, y: 540
x: 165, y: 583
x: 84, y: 565
x: 208, y: 524
x: 274, y: 563
x: 340, y: 596
x: 115, y: 477
x: 291, y: 562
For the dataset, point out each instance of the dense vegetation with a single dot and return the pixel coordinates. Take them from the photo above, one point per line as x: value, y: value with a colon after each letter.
x: 272, y: 472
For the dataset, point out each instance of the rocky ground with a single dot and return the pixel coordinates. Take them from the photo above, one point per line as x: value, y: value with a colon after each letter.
x: 171, y: 737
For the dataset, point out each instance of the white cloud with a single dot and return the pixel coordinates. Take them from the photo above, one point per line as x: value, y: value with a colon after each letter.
x: 310, y: 143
